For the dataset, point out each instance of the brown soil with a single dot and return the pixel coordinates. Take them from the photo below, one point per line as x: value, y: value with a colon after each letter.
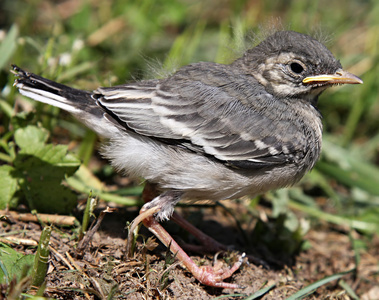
x: 103, y: 265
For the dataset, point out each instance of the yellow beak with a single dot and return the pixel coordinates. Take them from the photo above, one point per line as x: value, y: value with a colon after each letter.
x: 340, y: 77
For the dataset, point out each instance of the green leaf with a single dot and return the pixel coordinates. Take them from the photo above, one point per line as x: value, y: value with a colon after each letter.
x: 31, y: 138
x: 8, y: 185
x: 24, y: 262
x: 41, y: 176
x: 40, y: 169
x: 13, y: 263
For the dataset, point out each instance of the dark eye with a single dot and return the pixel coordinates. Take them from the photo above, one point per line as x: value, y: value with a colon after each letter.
x: 296, y: 68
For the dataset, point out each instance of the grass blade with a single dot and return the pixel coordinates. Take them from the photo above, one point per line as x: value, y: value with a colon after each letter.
x: 261, y: 292
x: 8, y: 46
x: 312, y: 287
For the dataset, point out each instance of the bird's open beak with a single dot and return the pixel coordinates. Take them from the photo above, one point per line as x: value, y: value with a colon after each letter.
x: 339, y: 77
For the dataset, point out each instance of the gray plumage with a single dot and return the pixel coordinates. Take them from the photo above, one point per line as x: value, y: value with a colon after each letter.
x: 210, y: 131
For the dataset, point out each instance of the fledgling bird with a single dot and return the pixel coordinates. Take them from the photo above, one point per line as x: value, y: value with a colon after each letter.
x: 210, y: 131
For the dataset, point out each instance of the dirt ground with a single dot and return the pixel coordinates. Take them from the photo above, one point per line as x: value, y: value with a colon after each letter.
x: 103, y: 268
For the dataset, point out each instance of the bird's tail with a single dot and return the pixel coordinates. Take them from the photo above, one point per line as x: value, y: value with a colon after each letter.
x: 50, y: 92
x: 79, y: 103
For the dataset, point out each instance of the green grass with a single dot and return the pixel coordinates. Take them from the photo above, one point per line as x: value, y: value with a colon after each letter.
x: 91, y: 43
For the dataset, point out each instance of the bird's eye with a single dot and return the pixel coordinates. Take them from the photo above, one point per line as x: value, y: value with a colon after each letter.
x: 296, y: 68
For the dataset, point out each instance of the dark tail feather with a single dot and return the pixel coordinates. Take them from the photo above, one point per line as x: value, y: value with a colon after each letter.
x: 50, y: 92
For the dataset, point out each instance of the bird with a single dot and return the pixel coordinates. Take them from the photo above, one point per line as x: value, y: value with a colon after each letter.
x: 209, y: 131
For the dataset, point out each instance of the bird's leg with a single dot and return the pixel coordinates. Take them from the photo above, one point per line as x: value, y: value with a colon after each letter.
x: 212, y: 276
x: 208, y: 244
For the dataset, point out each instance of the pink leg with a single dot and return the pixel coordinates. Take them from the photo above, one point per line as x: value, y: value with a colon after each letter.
x: 212, y: 276
x: 209, y: 244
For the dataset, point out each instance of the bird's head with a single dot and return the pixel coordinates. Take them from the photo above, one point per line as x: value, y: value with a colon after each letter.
x: 294, y: 65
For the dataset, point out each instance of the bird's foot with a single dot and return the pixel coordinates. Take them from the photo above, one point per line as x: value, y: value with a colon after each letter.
x: 214, y: 276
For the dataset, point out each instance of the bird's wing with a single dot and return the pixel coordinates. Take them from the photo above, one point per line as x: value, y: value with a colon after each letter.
x: 214, y: 114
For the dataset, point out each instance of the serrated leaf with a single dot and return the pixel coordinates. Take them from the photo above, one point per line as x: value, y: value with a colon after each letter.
x: 40, y: 169
x: 31, y: 138
x: 41, y: 180
x: 8, y: 185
